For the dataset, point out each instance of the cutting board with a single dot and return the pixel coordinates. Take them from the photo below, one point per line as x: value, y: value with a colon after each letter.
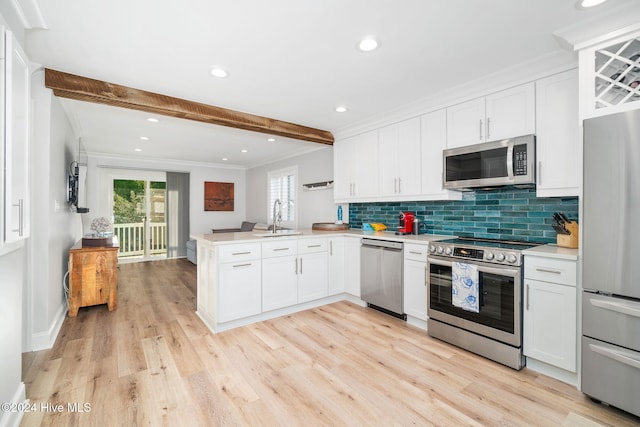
x: 329, y: 226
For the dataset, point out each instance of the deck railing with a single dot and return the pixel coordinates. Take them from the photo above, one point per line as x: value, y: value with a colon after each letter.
x: 131, y: 238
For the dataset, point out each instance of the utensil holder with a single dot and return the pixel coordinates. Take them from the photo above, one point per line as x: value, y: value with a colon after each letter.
x: 569, y: 240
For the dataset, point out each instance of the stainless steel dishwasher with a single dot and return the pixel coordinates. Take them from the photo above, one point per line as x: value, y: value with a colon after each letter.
x: 381, y: 276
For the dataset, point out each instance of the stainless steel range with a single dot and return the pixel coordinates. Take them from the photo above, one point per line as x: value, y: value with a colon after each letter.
x: 475, y: 296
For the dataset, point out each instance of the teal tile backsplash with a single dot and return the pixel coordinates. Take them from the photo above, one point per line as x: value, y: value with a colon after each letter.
x: 511, y: 213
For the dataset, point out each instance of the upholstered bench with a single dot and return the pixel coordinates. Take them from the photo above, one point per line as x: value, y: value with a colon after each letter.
x: 192, y: 251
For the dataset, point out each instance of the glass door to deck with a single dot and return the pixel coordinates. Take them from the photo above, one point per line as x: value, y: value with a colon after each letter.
x: 140, y: 218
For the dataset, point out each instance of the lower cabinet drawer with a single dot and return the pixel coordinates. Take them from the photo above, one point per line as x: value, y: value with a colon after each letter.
x: 239, y: 252
x: 550, y: 270
x: 416, y: 252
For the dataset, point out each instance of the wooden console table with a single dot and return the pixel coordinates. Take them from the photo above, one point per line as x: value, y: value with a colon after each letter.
x: 93, y: 275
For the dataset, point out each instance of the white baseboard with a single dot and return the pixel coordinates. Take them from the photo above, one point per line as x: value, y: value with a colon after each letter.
x: 45, y: 340
x: 12, y: 418
x: 553, y: 372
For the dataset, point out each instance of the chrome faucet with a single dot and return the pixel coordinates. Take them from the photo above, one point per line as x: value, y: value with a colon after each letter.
x: 277, y: 215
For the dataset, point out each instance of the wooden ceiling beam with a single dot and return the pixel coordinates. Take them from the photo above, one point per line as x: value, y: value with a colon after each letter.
x: 85, y: 89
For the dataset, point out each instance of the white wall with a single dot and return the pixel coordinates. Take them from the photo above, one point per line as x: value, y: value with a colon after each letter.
x: 200, y: 221
x: 54, y: 227
x: 313, y: 206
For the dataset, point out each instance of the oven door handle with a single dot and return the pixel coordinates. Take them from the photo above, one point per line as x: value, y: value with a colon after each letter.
x: 482, y: 268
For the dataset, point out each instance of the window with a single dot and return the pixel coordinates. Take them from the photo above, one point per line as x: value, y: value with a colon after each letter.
x: 282, y: 186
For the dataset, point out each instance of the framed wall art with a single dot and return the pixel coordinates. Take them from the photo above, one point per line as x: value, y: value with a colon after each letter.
x: 218, y: 196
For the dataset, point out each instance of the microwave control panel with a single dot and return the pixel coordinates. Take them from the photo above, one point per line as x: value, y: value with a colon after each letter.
x: 520, y: 160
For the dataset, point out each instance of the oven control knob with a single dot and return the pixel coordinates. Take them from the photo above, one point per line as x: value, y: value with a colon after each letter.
x: 511, y: 258
x: 432, y: 248
x: 488, y: 256
x: 448, y: 251
x: 500, y: 257
x: 440, y: 249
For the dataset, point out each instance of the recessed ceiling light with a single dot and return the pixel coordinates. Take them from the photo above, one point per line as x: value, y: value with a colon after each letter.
x: 244, y: 151
x: 368, y: 44
x: 224, y: 159
x: 585, y: 4
x: 144, y: 138
x: 341, y: 109
x: 271, y: 139
x: 153, y: 120
x: 137, y: 149
x: 219, y: 72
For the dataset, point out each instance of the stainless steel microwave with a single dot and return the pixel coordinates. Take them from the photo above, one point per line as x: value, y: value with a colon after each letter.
x: 506, y: 162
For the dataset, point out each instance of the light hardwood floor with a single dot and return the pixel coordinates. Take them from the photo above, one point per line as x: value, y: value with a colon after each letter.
x: 153, y: 362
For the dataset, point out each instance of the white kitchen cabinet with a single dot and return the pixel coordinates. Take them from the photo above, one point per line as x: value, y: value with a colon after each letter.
x: 557, y: 135
x: 355, y: 167
x: 399, y: 159
x: 336, y: 265
x: 15, y: 95
x: 229, y: 285
x: 279, y: 273
x: 279, y: 282
x: 313, y: 276
x: 550, y: 323
x: 505, y: 114
x: 294, y: 271
x: 415, y: 280
x: 313, y: 269
x: 352, y: 265
x: 239, y: 290
x: 466, y: 123
x: 433, y: 141
x: 610, y: 73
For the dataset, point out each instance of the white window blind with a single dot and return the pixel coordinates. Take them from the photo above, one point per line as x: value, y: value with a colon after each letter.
x: 282, y: 185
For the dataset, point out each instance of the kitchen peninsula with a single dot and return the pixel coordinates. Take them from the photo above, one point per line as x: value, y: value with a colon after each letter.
x: 245, y: 277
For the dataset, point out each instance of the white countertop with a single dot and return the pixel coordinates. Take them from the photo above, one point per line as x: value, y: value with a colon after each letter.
x: 251, y: 236
x: 553, y: 251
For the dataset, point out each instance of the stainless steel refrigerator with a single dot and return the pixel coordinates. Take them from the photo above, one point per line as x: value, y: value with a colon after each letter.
x: 611, y: 261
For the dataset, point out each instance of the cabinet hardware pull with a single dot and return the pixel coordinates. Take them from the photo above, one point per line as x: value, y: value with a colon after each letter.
x: 618, y: 307
x: 527, y: 297
x: 399, y: 185
x: 426, y: 275
x: 615, y: 355
x: 415, y: 252
x: 395, y: 185
x: 313, y: 246
x: 488, y: 128
x: 300, y: 265
x: 331, y: 247
x: 546, y: 270
x: 242, y: 265
x: 241, y: 253
x: 296, y: 260
x: 280, y: 249
x: 480, y: 127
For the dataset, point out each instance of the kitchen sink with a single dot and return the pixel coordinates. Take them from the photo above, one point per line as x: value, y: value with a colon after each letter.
x: 279, y: 233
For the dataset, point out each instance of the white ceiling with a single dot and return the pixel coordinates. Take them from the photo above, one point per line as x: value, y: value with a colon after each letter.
x: 292, y: 60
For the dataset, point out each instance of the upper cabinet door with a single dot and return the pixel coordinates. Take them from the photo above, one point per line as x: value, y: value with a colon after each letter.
x: 433, y: 128
x: 355, y: 161
x: 505, y: 114
x: 399, y: 158
x: 16, y: 140
x: 557, y: 135
x: 511, y: 113
x: 466, y: 123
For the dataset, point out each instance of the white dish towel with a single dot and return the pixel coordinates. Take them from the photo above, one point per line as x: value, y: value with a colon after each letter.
x: 464, y: 286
